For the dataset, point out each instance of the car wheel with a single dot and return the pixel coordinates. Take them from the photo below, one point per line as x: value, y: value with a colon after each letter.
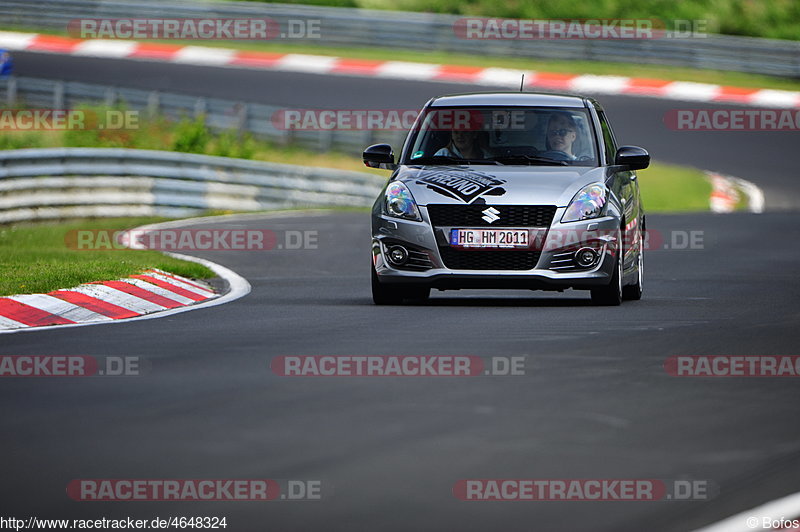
x: 417, y: 294
x: 610, y: 295
x: 383, y: 294
x: 634, y: 292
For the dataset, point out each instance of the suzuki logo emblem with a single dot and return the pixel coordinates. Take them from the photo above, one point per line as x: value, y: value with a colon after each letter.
x: 490, y: 215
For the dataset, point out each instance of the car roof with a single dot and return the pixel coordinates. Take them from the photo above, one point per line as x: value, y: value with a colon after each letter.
x: 532, y: 99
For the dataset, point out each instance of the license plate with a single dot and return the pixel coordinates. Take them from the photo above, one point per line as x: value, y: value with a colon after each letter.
x: 490, y: 238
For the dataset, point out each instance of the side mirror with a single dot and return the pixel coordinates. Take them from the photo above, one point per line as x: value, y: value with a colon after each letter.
x: 634, y: 157
x: 379, y: 156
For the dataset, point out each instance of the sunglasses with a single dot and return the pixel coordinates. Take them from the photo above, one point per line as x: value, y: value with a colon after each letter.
x: 560, y: 132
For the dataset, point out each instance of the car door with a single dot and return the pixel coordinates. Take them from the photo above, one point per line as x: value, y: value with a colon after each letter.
x: 626, y: 185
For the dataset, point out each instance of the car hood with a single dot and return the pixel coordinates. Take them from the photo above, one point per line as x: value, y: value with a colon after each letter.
x: 497, y: 185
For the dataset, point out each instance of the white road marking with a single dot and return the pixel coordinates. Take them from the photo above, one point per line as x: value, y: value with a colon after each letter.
x: 786, y: 508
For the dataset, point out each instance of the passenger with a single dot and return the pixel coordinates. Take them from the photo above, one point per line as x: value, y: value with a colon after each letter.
x: 561, y: 134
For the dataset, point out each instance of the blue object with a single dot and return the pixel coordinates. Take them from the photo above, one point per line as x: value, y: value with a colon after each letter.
x: 6, y: 63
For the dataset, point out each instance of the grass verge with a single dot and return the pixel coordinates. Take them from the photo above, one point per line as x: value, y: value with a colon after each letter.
x: 674, y: 188
x: 35, y: 258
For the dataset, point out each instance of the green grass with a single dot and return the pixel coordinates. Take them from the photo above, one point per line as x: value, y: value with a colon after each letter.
x: 36, y: 258
x: 670, y: 73
x: 673, y: 188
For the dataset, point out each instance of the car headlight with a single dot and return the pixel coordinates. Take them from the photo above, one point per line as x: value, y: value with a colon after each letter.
x: 400, y: 203
x: 588, y: 203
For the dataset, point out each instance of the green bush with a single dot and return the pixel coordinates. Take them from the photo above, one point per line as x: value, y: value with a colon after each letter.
x: 191, y: 136
x: 233, y: 144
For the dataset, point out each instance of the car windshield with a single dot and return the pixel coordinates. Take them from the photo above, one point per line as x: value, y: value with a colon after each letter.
x: 536, y: 136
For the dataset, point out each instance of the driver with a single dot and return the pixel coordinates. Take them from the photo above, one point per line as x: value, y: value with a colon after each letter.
x: 561, y: 134
x: 464, y: 144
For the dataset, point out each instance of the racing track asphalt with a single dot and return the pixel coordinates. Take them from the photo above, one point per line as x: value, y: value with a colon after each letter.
x: 595, y: 402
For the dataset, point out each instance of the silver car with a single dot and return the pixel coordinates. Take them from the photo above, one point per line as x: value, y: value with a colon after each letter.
x: 509, y: 190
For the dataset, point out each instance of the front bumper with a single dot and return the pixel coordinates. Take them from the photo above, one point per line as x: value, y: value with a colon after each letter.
x: 554, y: 243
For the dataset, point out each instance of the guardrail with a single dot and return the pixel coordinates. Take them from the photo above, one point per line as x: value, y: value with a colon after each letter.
x: 422, y: 31
x: 86, y: 182
x: 219, y: 114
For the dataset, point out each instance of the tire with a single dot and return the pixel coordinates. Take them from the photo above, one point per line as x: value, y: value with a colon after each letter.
x: 383, y: 294
x: 417, y: 294
x: 611, y: 295
x: 633, y: 292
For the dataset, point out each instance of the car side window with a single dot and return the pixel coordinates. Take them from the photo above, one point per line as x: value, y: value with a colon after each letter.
x: 608, y: 138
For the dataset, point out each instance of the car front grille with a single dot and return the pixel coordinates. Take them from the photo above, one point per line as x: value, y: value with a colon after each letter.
x: 495, y: 259
x: 509, y: 215
x: 417, y: 261
x: 564, y: 262
x: 503, y: 259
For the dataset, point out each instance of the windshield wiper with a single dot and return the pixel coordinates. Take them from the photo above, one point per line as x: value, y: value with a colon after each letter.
x: 438, y: 159
x: 503, y: 159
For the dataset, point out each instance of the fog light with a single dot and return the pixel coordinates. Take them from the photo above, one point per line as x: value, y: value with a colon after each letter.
x: 398, y: 255
x: 585, y: 257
